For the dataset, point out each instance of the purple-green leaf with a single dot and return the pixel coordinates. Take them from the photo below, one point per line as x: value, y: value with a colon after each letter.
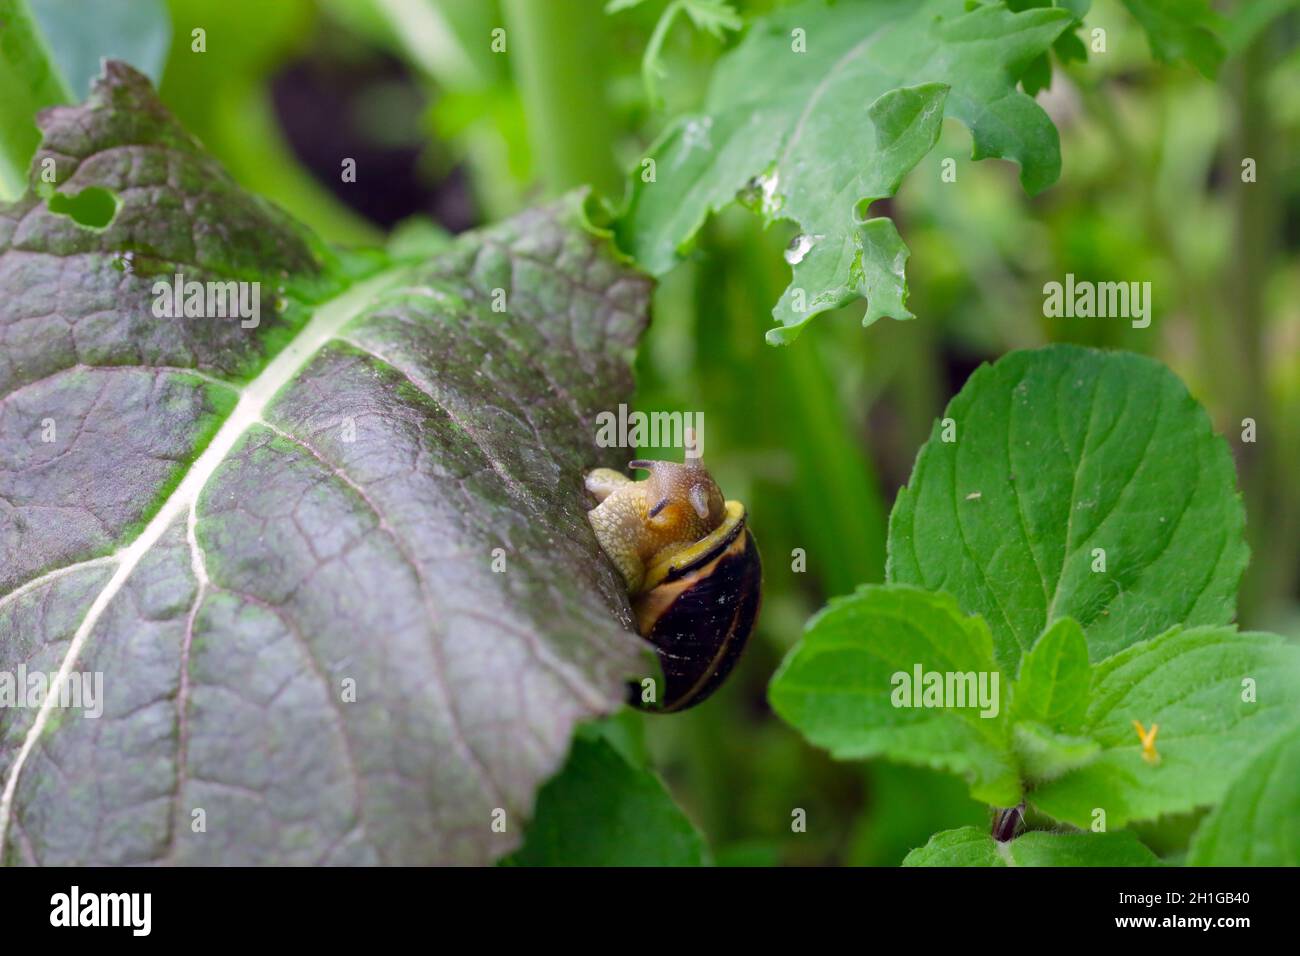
x: 334, y: 568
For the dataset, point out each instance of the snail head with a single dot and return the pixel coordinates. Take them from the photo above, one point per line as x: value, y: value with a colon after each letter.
x: 682, y: 497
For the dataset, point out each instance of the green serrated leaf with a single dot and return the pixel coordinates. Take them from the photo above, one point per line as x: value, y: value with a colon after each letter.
x: 971, y: 847
x: 1217, y: 696
x: 1080, y: 484
x: 1069, y: 48
x: 964, y: 846
x: 601, y: 810
x: 715, y: 17
x: 907, y: 123
x: 276, y: 540
x: 1037, y: 76
x: 1052, y: 688
x: 841, y: 687
x: 784, y: 122
x: 1258, y: 821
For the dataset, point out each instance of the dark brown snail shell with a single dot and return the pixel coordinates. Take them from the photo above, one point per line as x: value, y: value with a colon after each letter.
x: 698, y: 610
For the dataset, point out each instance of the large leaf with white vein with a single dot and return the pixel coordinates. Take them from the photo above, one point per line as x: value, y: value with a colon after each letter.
x: 243, y: 529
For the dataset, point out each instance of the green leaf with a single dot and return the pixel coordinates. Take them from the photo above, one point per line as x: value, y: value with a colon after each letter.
x: 276, y: 542
x: 971, y: 847
x: 1059, y: 452
x: 1218, y: 697
x: 1045, y: 754
x: 1067, y: 47
x: 1053, y: 684
x: 50, y: 50
x: 31, y: 82
x: 715, y: 17
x: 965, y: 846
x: 788, y: 128
x: 1181, y: 30
x: 81, y: 36
x: 847, y: 686
x: 1258, y: 821
x: 625, y: 732
x: 1176, y: 30
x: 603, y: 811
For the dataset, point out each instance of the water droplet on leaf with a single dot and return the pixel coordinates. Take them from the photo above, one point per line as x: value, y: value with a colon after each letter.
x: 799, y: 247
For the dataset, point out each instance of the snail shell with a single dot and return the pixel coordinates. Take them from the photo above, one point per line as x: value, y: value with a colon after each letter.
x: 699, y: 608
x: 692, y: 569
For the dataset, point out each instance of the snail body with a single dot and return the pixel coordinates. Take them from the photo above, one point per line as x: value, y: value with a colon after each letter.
x: 691, y: 567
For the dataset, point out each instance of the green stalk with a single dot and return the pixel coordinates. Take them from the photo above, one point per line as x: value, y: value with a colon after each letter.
x: 1272, y: 518
x: 556, y: 51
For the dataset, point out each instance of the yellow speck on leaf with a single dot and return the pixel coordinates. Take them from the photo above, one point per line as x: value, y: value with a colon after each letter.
x: 1149, y: 753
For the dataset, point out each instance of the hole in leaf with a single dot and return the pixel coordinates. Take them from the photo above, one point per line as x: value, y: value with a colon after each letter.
x: 864, y: 213
x: 93, y: 207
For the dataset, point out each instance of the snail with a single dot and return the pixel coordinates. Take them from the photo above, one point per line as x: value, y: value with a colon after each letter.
x: 691, y: 566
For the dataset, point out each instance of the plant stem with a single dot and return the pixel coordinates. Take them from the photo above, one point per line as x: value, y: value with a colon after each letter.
x: 555, y: 51
x: 1270, y: 500
x: 1006, y: 822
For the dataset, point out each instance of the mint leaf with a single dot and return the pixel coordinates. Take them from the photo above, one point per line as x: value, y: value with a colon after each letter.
x: 814, y: 136
x: 603, y: 811
x: 971, y: 847
x: 1218, y: 696
x: 1053, y: 684
x: 965, y: 846
x: 276, y: 543
x: 1060, y: 452
x: 841, y: 687
x: 1258, y: 821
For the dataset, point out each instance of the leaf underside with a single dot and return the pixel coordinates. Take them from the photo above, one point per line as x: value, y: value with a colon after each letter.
x: 238, y: 527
